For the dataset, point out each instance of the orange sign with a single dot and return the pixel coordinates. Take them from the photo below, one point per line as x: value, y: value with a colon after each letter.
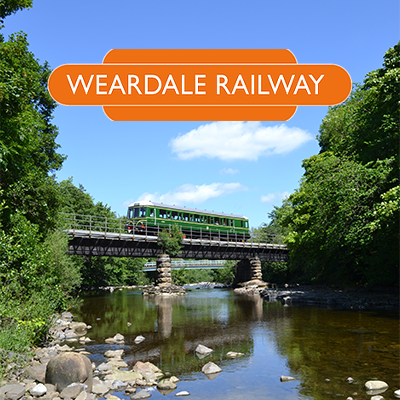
x: 199, y: 85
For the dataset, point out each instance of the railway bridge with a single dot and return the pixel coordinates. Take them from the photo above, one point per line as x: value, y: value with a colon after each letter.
x: 101, y: 236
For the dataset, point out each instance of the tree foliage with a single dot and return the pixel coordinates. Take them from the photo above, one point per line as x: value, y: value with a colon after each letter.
x: 170, y: 241
x: 28, y: 148
x: 99, y: 271
x: 274, y: 231
x: 344, y: 224
x: 8, y: 7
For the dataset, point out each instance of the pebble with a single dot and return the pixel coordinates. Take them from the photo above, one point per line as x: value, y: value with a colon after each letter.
x: 38, y: 390
x: 139, y: 339
x: 375, y: 385
x: 287, y: 378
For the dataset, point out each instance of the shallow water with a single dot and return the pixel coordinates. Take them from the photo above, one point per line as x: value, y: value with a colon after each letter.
x: 308, y: 343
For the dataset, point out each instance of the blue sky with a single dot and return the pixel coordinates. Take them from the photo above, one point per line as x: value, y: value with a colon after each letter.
x: 235, y: 167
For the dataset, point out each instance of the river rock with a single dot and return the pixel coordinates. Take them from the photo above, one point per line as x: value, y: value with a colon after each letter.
x: 117, y: 354
x: 67, y: 368
x: 67, y: 316
x: 82, y: 396
x: 106, y: 367
x: 143, y: 394
x: 38, y: 390
x: 99, y: 387
x: 79, y: 327
x: 211, y: 368
x: 118, y: 363
x: 375, y: 385
x: 287, y: 378
x: 65, y: 348
x: 126, y: 376
x: 183, y: 393
x: 379, y: 397
x: 37, y: 373
x: 233, y: 354
x: 117, y: 339
x: 397, y: 393
x: 166, y: 384
x: 148, y: 370
x: 13, y: 391
x: 203, y: 350
x: 117, y: 384
x: 139, y: 339
x: 72, y: 391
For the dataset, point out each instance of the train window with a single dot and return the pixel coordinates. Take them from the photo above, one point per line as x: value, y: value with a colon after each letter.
x: 196, y: 218
x: 191, y: 218
x: 174, y: 215
x: 211, y: 220
x: 206, y: 219
x: 246, y: 224
x: 186, y: 217
x: 223, y: 221
x: 130, y: 213
x: 136, y: 212
x: 151, y: 212
x: 163, y: 214
x: 168, y: 214
x: 142, y: 211
x: 216, y: 221
x: 241, y: 224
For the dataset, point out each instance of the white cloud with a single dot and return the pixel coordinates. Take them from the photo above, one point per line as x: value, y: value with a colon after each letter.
x: 238, y: 141
x: 194, y: 194
x: 229, y: 171
x: 274, y: 197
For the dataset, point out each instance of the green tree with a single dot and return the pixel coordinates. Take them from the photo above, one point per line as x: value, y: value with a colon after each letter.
x: 171, y: 241
x: 28, y: 148
x: 344, y: 225
x: 366, y: 126
x: 8, y: 7
x: 274, y: 231
x: 76, y: 200
x: 99, y: 271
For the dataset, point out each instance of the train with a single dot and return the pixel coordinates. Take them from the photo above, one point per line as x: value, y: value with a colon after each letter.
x: 146, y: 217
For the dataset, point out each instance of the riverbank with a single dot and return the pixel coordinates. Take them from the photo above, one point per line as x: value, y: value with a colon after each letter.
x: 344, y: 298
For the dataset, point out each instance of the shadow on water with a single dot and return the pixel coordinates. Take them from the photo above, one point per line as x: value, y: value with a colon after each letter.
x: 313, y: 345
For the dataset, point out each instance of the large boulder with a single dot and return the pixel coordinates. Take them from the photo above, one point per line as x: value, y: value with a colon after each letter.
x: 67, y: 368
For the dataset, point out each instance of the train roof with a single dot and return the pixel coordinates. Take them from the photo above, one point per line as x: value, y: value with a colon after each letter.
x: 185, y: 209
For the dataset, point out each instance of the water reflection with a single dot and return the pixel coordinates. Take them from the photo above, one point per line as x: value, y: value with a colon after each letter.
x: 311, y: 344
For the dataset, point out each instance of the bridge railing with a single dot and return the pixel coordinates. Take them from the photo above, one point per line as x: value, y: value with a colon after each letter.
x: 186, y: 263
x: 91, y: 224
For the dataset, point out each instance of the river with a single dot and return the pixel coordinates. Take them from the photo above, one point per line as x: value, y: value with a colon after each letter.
x: 319, y: 347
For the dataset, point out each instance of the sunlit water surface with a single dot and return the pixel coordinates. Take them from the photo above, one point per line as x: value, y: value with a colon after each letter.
x: 313, y: 345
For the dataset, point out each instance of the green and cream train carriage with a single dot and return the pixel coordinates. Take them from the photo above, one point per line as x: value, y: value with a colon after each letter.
x: 146, y: 217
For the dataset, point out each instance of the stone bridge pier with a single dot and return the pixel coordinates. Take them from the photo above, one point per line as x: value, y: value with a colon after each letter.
x: 164, y: 286
x: 248, y: 272
x: 163, y: 271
